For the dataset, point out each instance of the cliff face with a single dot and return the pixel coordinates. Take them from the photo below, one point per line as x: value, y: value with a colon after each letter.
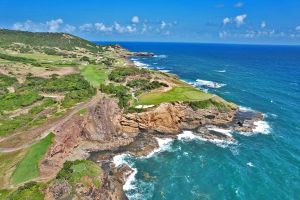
x: 106, y: 120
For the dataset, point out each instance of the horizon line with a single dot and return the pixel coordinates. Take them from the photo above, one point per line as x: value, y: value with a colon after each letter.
x: 195, y: 42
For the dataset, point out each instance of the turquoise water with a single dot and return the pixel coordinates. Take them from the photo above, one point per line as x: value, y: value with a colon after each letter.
x: 259, y: 166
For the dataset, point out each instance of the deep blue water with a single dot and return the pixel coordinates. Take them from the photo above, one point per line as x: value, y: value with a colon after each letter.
x: 260, y: 166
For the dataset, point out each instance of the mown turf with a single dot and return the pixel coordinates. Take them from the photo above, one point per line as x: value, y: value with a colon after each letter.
x: 94, y: 74
x: 173, y: 95
x: 28, y: 167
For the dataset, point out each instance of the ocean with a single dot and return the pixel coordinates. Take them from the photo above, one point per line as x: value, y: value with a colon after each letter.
x: 262, y: 165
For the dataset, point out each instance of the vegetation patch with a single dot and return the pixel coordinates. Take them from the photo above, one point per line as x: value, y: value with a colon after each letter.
x: 31, y: 190
x: 144, y: 85
x: 173, y: 95
x: 94, y: 74
x: 119, y: 91
x: 62, y: 41
x: 12, y: 101
x: 6, y: 81
x: 76, y: 88
x: 7, y: 164
x: 28, y: 167
x: 8, y: 125
x: 214, y: 102
x: 119, y: 74
x: 85, y: 172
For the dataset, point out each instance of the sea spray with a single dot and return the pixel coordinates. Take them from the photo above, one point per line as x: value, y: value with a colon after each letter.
x: 163, y: 145
x: 262, y: 127
x: 188, y: 135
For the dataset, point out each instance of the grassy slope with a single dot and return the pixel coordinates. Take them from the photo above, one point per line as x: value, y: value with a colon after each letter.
x: 96, y: 75
x: 8, y: 162
x: 173, y: 95
x: 59, y: 40
x: 28, y: 167
x: 76, y: 171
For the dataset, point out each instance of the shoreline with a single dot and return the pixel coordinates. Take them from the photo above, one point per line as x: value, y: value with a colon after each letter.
x: 165, y: 141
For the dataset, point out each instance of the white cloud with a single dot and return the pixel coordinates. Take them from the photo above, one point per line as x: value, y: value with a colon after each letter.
x: 239, y: 4
x: 163, y: 24
x: 135, y: 19
x: 263, y: 24
x: 226, y: 20
x: 102, y: 28
x: 124, y: 29
x: 25, y: 26
x: 145, y: 28
x: 297, y: 28
x: 53, y: 25
x: 240, y: 19
x: 86, y: 27
x: 69, y: 28
x: 130, y: 29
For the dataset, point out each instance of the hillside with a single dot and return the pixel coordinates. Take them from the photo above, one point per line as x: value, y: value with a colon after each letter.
x: 29, y: 41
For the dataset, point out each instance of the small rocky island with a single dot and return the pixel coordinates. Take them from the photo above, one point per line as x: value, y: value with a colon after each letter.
x: 69, y: 122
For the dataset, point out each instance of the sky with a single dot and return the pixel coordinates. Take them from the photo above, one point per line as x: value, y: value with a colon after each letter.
x: 204, y: 21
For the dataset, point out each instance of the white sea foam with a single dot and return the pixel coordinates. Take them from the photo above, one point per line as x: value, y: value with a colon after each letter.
x: 221, y: 71
x: 220, y: 130
x: 188, y: 135
x: 160, y: 56
x: 246, y: 109
x: 163, y: 145
x: 120, y: 159
x: 209, y: 84
x: 129, y: 184
x: 140, y: 64
x: 164, y: 70
x: 250, y: 164
x: 262, y: 127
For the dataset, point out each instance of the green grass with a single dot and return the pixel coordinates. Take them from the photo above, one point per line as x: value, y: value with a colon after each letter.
x: 12, y: 101
x: 4, y: 194
x: 215, y: 102
x: 173, y: 95
x: 30, y: 191
x: 28, y: 167
x: 94, y: 74
x: 75, y: 171
x: 83, y: 111
x: 8, y: 125
x: 42, y: 40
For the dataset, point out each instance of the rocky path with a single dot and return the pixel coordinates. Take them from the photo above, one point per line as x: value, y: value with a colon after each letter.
x: 23, y: 140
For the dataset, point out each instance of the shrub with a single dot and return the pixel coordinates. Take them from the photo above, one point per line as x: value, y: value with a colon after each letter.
x: 119, y: 91
x: 119, y: 74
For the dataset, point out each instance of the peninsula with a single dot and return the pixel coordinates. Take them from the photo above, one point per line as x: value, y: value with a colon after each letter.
x: 68, y: 106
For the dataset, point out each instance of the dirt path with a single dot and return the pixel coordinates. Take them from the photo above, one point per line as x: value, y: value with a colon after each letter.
x: 26, y: 139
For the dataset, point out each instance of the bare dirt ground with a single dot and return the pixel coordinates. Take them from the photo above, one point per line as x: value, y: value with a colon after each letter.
x: 21, y: 71
x: 55, y: 96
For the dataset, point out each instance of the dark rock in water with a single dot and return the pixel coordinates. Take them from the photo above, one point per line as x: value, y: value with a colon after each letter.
x: 244, y: 120
x: 143, y: 54
x: 205, y: 133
